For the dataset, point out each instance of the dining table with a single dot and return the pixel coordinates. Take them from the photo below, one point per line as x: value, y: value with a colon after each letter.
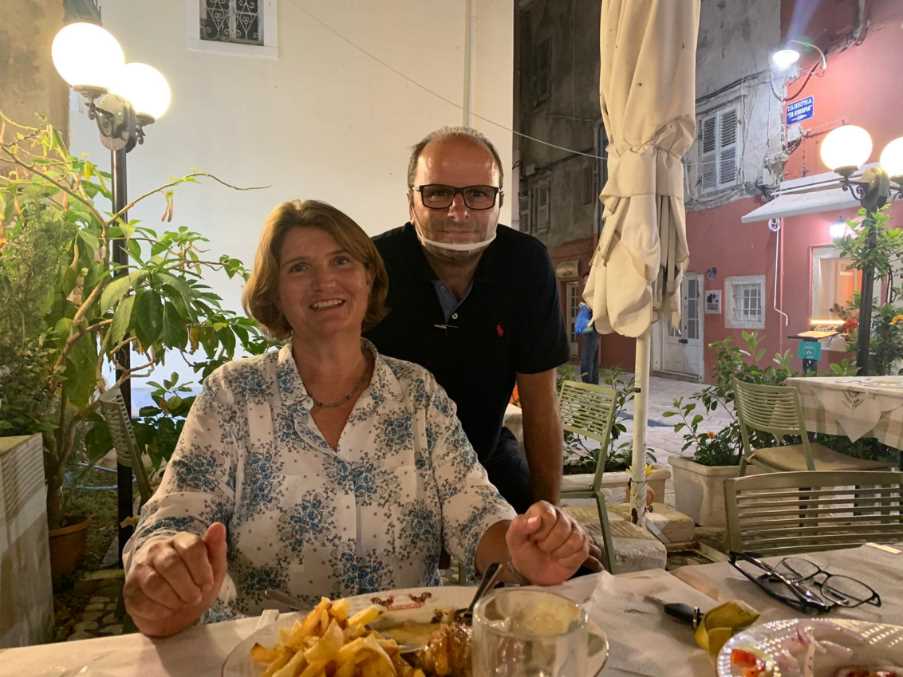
x: 643, y: 640
x: 853, y: 406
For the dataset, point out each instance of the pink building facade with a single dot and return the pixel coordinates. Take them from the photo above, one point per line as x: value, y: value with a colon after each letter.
x: 775, y: 275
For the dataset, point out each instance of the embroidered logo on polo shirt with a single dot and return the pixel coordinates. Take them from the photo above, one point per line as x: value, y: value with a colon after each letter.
x: 500, y: 330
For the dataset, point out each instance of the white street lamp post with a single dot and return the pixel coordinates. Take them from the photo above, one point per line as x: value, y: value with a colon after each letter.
x: 844, y: 151
x: 123, y: 99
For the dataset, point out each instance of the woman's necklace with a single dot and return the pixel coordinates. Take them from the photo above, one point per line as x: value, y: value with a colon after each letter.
x: 342, y: 400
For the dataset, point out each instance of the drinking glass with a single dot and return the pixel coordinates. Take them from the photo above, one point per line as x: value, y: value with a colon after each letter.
x: 531, y: 633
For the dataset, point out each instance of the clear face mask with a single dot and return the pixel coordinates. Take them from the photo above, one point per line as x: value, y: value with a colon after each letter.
x: 466, y: 247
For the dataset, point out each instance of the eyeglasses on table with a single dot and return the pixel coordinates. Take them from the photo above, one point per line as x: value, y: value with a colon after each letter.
x: 804, y: 585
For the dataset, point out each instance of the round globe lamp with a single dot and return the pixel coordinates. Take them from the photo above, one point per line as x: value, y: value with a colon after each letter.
x: 846, y: 149
x: 87, y: 57
x: 145, y: 88
x: 892, y: 159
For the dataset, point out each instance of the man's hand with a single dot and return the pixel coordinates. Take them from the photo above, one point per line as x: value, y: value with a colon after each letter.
x: 546, y: 545
x: 173, y: 581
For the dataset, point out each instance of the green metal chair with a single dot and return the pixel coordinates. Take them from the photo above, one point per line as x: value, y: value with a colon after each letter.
x: 795, y: 512
x: 128, y: 453
x: 587, y: 409
x: 777, y: 410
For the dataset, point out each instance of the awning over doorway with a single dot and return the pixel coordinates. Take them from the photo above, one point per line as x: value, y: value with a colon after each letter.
x: 808, y: 195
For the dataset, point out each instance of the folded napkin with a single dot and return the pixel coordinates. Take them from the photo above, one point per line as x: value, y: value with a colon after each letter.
x: 643, y: 640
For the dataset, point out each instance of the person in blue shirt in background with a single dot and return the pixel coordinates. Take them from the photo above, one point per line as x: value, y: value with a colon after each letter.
x: 588, y: 344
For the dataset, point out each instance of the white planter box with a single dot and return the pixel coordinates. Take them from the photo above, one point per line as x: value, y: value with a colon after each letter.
x: 26, y: 592
x: 614, y: 484
x: 699, y: 490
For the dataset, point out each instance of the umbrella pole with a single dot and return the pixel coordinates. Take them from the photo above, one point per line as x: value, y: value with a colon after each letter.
x: 641, y: 398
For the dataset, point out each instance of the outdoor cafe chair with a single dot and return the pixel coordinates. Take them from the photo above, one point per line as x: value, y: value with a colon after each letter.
x: 128, y: 452
x: 587, y: 409
x: 776, y: 410
x: 795, y: 512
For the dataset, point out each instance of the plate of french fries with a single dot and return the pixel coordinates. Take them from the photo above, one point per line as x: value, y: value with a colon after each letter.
x: 348, y: 637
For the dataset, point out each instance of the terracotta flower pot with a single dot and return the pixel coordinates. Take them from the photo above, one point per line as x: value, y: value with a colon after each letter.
x: 67, y: 547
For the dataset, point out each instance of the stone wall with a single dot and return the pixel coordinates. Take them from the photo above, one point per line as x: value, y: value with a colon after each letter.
x: 29, y: 83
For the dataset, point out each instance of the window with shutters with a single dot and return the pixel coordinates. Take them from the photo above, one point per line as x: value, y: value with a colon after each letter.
x: 540, y: 207
x: 719, y: 152
x: 542, y: 71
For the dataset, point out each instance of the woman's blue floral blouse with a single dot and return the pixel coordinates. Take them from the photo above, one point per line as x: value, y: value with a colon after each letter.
x: 309, y: 520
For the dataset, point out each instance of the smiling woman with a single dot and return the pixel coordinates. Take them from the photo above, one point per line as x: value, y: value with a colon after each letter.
x: 328, y: 468
x: 260, y: 297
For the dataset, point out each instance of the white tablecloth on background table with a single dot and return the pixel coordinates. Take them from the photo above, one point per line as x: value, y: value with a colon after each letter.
x: 878, y: 566
x: 854, y: 406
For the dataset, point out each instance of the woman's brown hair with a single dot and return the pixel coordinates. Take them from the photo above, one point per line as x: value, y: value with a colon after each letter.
x: 261, y: 292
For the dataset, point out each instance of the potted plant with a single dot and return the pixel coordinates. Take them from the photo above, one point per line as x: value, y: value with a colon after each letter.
x: 70, y: 311
x: 699, y: 478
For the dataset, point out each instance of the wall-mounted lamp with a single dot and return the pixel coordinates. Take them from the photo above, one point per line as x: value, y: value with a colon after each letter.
x: 785, y: 57
x: 838, y: 230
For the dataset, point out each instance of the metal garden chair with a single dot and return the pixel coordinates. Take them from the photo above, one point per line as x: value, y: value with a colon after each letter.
x: 587, y: 409
x: 128, y: 453
x: 776, y: 410
x: 795, y: 512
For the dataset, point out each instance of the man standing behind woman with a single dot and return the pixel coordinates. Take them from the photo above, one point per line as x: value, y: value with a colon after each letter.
x: 477, y: 304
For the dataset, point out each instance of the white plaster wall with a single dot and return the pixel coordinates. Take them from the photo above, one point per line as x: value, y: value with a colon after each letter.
x: 323, y: 120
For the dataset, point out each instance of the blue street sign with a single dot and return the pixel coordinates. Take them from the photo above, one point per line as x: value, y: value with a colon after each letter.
x: 800, y: 110
x: 809, y: 350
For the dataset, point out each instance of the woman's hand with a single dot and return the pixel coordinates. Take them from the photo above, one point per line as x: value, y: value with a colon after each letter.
x: 546, y: 545
x: 173, y: 581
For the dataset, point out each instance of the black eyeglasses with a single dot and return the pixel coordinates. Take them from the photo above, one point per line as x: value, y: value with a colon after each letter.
x: 804, y: 585
x: 439, y: 196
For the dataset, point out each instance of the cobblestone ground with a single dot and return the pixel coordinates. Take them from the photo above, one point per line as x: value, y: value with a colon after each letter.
x: 91, y: 608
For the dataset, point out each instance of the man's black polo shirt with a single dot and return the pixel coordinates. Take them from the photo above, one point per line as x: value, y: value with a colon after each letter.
x: 510, y: 322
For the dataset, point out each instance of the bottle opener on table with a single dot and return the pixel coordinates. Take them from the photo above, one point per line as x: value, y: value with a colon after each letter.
x: 714, y: 627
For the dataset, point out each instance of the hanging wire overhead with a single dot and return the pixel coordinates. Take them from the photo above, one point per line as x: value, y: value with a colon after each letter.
x: 436, y: 94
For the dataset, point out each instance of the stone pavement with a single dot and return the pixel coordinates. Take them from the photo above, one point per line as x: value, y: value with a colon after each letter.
x: 660, y: 435
x: 93, y: 607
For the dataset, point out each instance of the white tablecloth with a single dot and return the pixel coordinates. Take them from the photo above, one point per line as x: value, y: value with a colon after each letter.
x: 879, y: 566
x: 854, y: 406
x: 618, y: 604
x: 644, y: 641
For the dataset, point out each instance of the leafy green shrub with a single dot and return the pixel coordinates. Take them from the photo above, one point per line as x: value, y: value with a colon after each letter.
x: 724, y: 447
x: 68, y: 309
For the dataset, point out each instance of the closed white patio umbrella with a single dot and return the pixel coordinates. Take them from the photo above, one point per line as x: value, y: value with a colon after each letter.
x: 648, y: 93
